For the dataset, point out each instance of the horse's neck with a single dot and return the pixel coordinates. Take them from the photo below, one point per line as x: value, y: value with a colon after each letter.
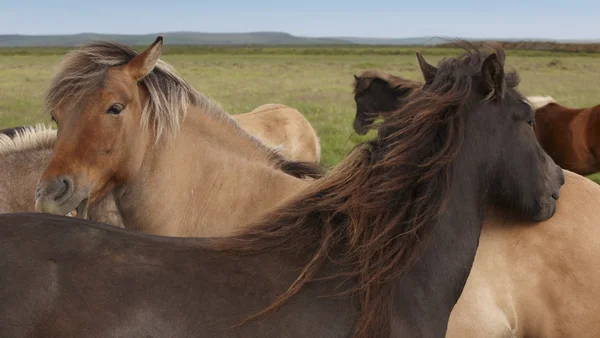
x: 426, y: 296
x: 207, y: 181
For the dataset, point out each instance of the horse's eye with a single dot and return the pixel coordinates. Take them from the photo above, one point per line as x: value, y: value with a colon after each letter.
x: 115, y: 109
x: 531, y: 122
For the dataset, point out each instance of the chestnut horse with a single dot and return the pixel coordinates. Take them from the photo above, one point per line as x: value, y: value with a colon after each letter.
x: 283, y: 128
x: 381, y: 246
x: 536, y: 280
x: 24, y: 154
x: 175, y: 160
x: 570, y: 136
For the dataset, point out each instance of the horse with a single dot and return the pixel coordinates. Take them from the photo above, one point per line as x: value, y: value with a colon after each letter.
x: 283, y: 128
x: 380, y: 246
x: 376, y: 92
x: 570, y: 136
x: 520, y: 268
x: 536, y: 280
x: 177, y: 163
x: 24, y: 153
x: 12, y: 132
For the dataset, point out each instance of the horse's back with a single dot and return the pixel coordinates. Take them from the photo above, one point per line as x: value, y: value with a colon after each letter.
x: 537, y: 280
x: 145, y: 285
x: 284, y: 128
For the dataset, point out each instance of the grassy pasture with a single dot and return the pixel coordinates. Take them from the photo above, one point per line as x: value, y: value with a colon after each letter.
x: 313, y: 79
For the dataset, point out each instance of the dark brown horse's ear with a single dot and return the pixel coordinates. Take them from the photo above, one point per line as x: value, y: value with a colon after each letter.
x: 427, y: 70
x: 492, y: 73
x: 356, y: 78
x: 143, y: 63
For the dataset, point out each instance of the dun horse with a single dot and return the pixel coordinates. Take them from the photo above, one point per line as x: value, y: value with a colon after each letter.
x: 381, y: 246
x: 283, y: 128
x: 570, y: 136
x: 178, y: 164
x: 24, y: 154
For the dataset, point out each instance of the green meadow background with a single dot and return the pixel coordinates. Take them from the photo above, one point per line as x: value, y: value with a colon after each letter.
x: 316, y: 80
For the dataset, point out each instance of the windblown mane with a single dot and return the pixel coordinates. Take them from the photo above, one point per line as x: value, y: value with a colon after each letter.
x: 83, y: 70
x: 394, y: 82
x: 372, y: 213
x: 28, y: 138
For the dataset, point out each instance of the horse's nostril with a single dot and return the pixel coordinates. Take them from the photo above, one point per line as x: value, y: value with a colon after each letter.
x: 64, y: 187
x: 556, y: 195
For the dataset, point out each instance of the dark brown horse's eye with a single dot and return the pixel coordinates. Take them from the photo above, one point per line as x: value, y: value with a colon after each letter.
x: 531, y: 122
x: 115, y: 109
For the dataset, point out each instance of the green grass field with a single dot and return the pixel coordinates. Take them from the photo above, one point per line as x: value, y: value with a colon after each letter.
x: 315, y: 80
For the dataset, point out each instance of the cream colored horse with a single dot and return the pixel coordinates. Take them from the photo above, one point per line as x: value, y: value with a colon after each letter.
x: 283, y: 128
x: 537, y: 280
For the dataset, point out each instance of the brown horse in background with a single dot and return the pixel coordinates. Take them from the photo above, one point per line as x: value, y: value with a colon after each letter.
x: 381, y: 246
x: 24, y: 154
x: 570, y: 136
x: 177, y: 163
x: 378, y: 93
x: 283, y: 128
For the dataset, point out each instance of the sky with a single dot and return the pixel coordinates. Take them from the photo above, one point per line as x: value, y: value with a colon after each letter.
x: 574, y: 19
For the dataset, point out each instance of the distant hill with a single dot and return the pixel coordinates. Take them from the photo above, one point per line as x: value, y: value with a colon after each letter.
x: 253, y: 38
x: 174, y: 38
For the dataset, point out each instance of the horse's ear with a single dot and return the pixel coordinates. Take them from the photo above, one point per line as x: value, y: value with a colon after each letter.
x: 427, y: 70
x: 356, y: 78
x: 143, y: 63
x: 492, y: 73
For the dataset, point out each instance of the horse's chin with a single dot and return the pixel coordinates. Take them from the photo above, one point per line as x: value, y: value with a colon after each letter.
x: 545, y: 212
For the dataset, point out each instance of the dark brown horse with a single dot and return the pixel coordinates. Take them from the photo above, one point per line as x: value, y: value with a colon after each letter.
x: 570, y: 136
x: 378, y: 93
x: 381, y: 246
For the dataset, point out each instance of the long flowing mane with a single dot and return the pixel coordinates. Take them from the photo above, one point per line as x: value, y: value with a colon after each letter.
x: 38, y: 137
x: 83, y: 70
x: 372, y: 214
x: 394, y: 82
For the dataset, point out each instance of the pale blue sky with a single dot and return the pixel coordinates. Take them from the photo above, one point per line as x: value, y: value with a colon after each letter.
x: 574, y: 19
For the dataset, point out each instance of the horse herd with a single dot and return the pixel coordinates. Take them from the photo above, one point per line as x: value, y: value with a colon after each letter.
x: 189, y: 222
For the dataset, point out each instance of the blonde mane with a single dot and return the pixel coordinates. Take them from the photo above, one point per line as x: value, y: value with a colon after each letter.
x: 40, y: 137
x: 83, y: 71
x: 537, y: 102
